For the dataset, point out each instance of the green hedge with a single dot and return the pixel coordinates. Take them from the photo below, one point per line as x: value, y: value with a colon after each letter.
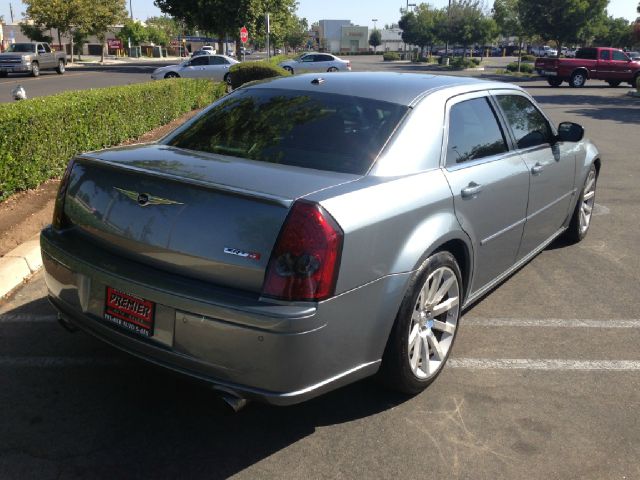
x: 524, y: 67
x: 244, y: 72
x: 390, y: 56
x: 39, y: 136
x: 528, y: 58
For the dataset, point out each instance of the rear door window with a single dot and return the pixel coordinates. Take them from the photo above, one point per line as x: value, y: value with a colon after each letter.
x: 323, y: 131
x: 605, y: 55
x: 474, y: 132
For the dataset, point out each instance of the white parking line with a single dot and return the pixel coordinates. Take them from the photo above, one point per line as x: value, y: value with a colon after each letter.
x: 550, y: 364
x: 550, y: 322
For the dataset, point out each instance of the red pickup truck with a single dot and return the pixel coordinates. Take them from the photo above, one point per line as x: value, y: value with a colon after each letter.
x: 609, y: 64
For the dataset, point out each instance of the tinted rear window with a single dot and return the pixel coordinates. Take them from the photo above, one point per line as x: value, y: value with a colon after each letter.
x: 587, y: 53
x: 337, y: 133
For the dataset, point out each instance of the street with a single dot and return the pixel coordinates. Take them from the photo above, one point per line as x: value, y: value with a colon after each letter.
x: 543, y: 381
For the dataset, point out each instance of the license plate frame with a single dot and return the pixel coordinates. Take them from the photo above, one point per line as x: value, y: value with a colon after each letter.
x: 129, y: 312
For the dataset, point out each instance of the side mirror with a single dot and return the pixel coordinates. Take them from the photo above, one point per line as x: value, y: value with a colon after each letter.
x: 570, y: 132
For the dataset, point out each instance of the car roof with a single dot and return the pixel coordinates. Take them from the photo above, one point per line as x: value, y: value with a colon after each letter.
x: 400, y: 88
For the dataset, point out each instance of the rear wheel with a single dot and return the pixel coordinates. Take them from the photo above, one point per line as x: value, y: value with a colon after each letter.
x: 172, y: 75
x: 578, y: 79
x: 425, y: 327
x: 332, y: 69
x: 35, y: 69
x: 614, y: 83
x: 61, y: 67
x: 554, y: 81
x: 581, y: 219
x: 3, y: 74
x: 227, y: 79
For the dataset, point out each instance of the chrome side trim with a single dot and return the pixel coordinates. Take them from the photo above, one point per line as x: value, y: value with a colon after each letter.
x: 503, y: 231
x: 572, y: 192
x: 477, y: 294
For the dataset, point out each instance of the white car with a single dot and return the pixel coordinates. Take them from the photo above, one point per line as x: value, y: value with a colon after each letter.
x: 215, y: 67
x: 544, y: 51
x: 316, y: 62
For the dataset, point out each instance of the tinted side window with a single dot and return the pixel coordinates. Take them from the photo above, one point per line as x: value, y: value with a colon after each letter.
x: 587, y: 53
x: 529, y: 126
x: 618, y: 55
x: 474, y: 132
x: 199, y: 61
x: 604, y: 55
x: 213, y: 60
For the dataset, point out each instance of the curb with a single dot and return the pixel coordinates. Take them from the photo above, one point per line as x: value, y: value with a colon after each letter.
x: 19, y: 264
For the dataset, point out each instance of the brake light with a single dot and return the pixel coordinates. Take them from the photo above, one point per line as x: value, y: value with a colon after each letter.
x: 305, y: 260
x: 60, y: 220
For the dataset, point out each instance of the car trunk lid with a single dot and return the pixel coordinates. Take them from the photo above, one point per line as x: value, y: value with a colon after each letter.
x: 205, y: 216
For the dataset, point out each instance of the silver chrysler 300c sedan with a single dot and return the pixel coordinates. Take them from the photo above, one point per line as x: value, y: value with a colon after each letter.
x: 305, y: 232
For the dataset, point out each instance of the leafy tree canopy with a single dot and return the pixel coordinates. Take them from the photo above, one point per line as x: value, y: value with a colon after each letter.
x: 375, y: 39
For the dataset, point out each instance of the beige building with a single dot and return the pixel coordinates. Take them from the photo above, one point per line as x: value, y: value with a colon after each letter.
x: 354, y: 39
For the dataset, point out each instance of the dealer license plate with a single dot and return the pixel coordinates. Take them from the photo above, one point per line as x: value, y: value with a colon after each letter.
x: 129, y: 312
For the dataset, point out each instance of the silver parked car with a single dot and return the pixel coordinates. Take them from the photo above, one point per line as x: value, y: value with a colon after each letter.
x: 316, y: 62
x: 305, y: 232
x: 204, y: 65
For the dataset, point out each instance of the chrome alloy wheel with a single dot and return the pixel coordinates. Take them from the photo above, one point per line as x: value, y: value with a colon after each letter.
x: 588, y: 200
x: 433, y: 322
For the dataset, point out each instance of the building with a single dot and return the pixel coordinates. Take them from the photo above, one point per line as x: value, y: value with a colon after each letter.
x: 330, y: 34
x: 354, y: 39
x: 391, y: 40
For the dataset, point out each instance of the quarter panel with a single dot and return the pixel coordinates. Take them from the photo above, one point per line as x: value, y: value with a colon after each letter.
x: 388, y: 226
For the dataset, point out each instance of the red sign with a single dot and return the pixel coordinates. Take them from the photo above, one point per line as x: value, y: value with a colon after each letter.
x: 112, y: 43
x: 244, y: 35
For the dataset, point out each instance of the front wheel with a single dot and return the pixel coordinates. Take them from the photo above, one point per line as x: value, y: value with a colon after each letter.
x: 581, y: 219
x: 3, y: 74
x: 227, y: 79
x: 172, y: 75
x: 425, y: 327
x: 289, y: 69
x: 554, y: 81
x: 35, y: 69
x: 61, y: 67
x: 578, y: 79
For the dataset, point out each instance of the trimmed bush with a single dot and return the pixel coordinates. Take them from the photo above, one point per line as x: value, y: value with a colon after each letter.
x: 464, y: 62
x: 528, y: 58
x: 390, y: 56
x: 244, y: 72
x: 39, y: 136
x: 475, y: 60
x: 524, y: 67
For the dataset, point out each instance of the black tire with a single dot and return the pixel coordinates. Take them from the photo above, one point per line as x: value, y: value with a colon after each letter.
x: 172, y: 75
x: 614, y: 83
x: 396, y: 371
x: 227, y: 78
x: 61, y: 67
x: 4, y: 74
x: 288, y: 69
x: 554, y: 81
x: 578, y: 79
x: 332, y: 69
x: 35, y: 69
x: 577, y: 229
x: 636, y: 79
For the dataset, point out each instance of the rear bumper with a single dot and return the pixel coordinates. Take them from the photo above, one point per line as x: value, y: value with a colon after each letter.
x: 279, y: 354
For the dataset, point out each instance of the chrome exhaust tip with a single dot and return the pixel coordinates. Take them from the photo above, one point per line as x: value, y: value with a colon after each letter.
x: 231, y: 398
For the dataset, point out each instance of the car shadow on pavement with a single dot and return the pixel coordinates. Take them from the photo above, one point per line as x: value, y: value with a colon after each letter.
x: 114, y: 416
x: 621, y: 109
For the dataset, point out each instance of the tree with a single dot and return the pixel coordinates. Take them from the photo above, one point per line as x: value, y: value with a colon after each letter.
x: 169, y: 26
x: 34, y: 33
x: 296, y: 32
x: 468, y: 24
x: 423, y: 26
x: 134, y: 32
x: 508, y: 18
x: 560, y: 22
x: 102, y: 15
x: 615, y: 32
x: 375, y: 39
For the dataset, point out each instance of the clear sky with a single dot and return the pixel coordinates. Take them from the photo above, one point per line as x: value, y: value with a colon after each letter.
x: 385, y: 11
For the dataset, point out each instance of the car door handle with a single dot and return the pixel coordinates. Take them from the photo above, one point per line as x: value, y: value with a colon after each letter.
x: 472, y: 189
x: 537, y: 169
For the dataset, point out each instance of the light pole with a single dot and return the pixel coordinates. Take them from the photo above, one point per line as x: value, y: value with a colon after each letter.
x: 131, y: 9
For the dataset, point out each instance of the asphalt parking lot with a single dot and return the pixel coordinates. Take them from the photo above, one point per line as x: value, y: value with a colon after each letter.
x: 543, y: 381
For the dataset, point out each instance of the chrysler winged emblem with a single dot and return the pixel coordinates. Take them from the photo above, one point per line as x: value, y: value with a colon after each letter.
x: 144, y: 199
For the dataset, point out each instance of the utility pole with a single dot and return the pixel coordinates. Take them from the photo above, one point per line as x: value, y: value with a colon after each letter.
x: 268, y: 32
x: 11, y: 11
x: 131, y: 9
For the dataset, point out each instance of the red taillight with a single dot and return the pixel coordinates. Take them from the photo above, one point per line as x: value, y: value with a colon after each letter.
x: 304, y: 263
x: 59, y: 218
